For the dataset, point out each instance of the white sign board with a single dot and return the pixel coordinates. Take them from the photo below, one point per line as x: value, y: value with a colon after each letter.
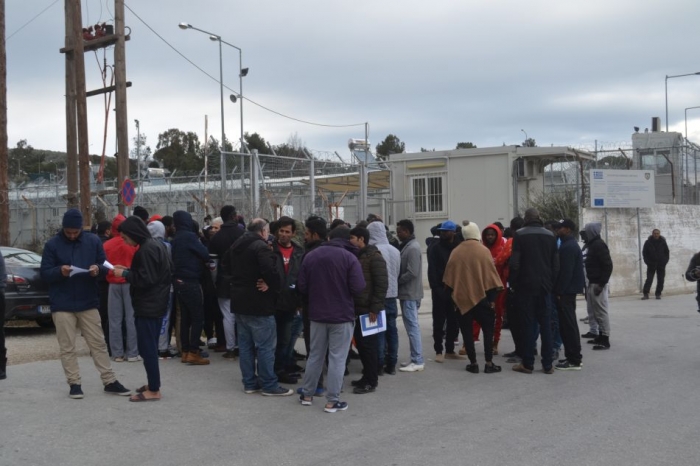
x: 622, y: 188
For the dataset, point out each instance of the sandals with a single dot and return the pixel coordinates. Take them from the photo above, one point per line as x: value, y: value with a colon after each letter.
x: 142, y: 389
x: 141, y: 397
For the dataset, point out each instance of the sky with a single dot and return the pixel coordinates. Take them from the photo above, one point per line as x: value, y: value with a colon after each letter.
x: 432, y: 73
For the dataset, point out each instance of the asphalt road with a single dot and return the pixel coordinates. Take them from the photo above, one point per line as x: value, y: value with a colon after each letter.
x: 632, y: 405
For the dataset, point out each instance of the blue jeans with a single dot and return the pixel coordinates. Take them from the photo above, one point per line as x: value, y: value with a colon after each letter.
x: 260, y: 332
x: 409, y: 313
x: 389, y: 341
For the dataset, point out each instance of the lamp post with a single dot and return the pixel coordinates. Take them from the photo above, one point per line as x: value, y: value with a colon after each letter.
x: 221, y: 89
x: 242, y: 72
x: 666, y: 89
x: 525, y: 133
x: 138, y: 155
x: 695, y: 160
x: 686, y: 120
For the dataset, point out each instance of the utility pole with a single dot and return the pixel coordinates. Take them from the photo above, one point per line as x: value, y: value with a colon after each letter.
x: 71, y: 116
x: 81, y: 107
x: 120, y: 99
x: 4, y: 177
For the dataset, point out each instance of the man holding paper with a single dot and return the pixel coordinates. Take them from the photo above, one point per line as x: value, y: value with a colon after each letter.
x: 369, y: 302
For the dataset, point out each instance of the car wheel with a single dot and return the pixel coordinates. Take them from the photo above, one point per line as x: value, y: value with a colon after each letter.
x: 45, y: 323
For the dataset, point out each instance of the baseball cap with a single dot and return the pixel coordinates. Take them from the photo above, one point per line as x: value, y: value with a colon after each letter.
x: 449, y: 225
x: 567, y: 223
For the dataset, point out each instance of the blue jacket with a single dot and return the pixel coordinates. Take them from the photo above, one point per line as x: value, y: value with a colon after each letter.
x: 79, y: 292
x: 189, y: 254
x: 570, y: 280
x: 330, y: 276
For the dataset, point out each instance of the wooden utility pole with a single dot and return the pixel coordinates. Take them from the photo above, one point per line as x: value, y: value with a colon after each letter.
x: 120, y: 99
x: 81, y: 107
x: 71, y: 115
x: 4, y: 176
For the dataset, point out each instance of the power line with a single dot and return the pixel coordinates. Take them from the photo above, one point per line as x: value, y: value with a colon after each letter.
x: 31, y: 20
x: 236, y: 92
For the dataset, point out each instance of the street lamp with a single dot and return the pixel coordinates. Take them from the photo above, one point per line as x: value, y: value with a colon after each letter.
x: 138, y: 155
x: 526, y: 138
x: 242, y: 72
x: 666, y: 90
x: 221, y: 89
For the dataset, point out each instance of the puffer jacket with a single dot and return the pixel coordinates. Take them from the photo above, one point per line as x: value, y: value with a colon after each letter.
x: 655, y: 252
x: 392, y: 256
x: 376, y: 281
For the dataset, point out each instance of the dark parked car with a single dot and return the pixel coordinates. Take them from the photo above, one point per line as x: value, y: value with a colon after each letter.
x: 26, y: 295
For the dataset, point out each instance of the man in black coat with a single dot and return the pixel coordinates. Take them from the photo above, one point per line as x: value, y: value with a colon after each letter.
x: 599, y: 267
x: 150, y: 277
x: 534, y: 267
x: 255, y: 285
x: 656, y: 256
x: 568, y: 285
x: 218, y: 245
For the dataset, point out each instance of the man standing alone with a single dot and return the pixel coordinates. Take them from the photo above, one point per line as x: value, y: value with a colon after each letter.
x: 70, y: 265
x: 656, y: 256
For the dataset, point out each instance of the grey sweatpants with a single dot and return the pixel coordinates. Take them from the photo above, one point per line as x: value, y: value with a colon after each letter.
x: 599, y: 307
x: 120, y: 310
x: 334, y: 338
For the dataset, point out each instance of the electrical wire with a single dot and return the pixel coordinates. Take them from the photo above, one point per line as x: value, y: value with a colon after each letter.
x: 31, y: 20
x: 236, y: 92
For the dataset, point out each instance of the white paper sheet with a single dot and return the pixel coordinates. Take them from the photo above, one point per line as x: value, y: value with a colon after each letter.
x: 108, y: 265
x: 76, y: 270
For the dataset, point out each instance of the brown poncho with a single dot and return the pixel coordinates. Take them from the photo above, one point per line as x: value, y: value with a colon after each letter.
x: 470, y: 273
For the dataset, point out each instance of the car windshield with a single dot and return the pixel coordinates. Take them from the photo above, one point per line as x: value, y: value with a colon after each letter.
x: 22, y: 258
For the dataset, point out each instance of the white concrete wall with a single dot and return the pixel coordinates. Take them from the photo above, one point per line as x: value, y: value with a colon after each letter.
x: 679, y: 224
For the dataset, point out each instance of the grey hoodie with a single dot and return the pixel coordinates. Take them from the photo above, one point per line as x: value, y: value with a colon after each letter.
x: 593, y: 230
x: 411, y: 273
x: 377, y: 237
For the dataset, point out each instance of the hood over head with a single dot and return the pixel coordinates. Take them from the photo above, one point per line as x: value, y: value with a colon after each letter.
x: 157, y: 229
x: 116, y: 222
x: 592, y: 230
x: 377, y: 233
x: 134, y: 228
x: 183, y: 221
x: 499, y: 236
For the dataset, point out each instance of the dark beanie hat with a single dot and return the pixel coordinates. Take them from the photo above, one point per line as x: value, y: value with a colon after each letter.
x: 73, y: 219
x: 141, y: 213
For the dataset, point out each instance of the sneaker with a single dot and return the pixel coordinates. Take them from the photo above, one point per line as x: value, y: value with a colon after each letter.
x: 335, y: 407
x: 211, y: 343
x: 473, y: 368
x: 492, y: 369
x: 439, y: 358
x: 645, y: 297
x: 76, y: 392
x: 391, y: 370
x: 567, y: 366
x: 164, y: 355
x: 118, y: 359
x: 115, y: 388
x: 279, y: 391
x: 135, y: 359
x: 455, y: 356
x: 521, y: 368
x: 404, y: 364
x: 229, y: 355
x: 306, y: 400
x: 512, y: 354
x: 319, y: 391
x: 584, y: 319
x: 548, y: 371
x: 589, y: 335
x: 361, y: 390
x: 413, y: 368
x: 250, y: 391
x: 594, y: 341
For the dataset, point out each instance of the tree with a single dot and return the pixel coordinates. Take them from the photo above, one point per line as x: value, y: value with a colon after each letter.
x: 529, y: 142
x: 390, y: 145
x: 255, y: 141
x: 556, y: 205
x: 179, y: 150
x: 294, y: 147
x: 423, y: 149
x: 465, y: 145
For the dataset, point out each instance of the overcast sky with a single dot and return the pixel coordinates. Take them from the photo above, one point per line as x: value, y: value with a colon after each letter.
x: 433, y: 73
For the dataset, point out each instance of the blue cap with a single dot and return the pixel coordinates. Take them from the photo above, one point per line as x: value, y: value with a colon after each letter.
x: 448, y: 226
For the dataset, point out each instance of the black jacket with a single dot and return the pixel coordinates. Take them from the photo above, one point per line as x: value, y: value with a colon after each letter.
x: 570, y: 280
x: 189, y: 254
x: 247, y: 261
x: 438, y: 255
x: 288, y: 300
x: 150, y: 275
x: 655, y: 252
x: 218, y: 245
x: 694, y: 264
x: 598, y: 264
x: 534, y: 264
x: 376, y: 281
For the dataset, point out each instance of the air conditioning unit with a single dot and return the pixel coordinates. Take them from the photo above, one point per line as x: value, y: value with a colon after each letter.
x: 527, y: 168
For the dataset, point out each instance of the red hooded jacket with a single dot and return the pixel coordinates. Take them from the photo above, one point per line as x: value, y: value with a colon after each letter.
x: 496, y: 249
x: 117, y: 251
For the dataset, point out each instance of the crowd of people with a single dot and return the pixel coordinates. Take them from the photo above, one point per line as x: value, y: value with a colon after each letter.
x: 253, y: 289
